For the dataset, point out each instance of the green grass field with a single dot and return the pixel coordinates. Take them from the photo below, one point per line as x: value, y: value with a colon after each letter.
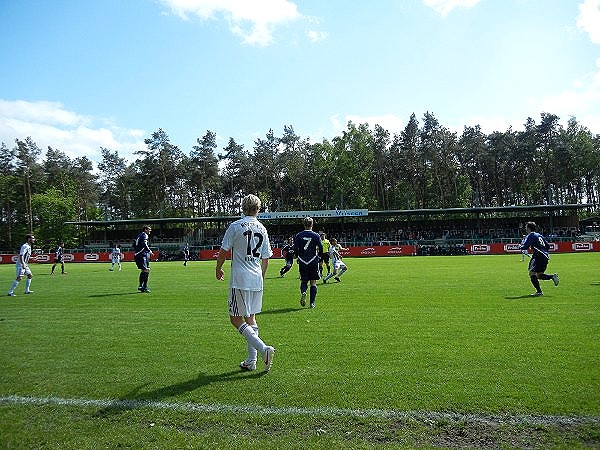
x: 409, y: 352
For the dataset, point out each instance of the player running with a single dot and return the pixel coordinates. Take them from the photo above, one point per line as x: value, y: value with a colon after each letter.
x: 339, y: 268
x: 287, y: 251
x: 539, y: 259
x: 325, y: 258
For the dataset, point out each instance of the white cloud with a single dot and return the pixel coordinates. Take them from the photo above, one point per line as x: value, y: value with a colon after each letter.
x: 444, y: 7
x: 253, y: 21
x: 316, y: 36
x: 588, y: 19
x: 50, y: 124
x: 582, y: 100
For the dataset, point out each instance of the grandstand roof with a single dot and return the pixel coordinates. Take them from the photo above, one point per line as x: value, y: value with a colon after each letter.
x: 481, y: 210
x: 388, y: 213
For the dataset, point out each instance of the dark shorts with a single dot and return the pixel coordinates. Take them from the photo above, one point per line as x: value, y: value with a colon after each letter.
x: 538, y: 264
x: 309, y: 271
x: 58, y: 260
x: 325, y: 258
x: 289, y: 261
x: 142, y: 261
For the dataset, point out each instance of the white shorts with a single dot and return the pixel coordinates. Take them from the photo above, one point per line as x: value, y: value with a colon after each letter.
x: 338, y: 264
x: 116, y: 259
x: 23, y: 272
x: 244, y: 303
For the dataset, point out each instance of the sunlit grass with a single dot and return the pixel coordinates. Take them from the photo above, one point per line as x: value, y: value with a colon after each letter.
x: 403, y: 334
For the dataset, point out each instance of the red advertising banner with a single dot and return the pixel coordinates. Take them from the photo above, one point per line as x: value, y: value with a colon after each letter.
x: 364, y: 251
x: 71, y: 257
x: 383, y: 250
x: 555, y: 247
x: 212, y: 254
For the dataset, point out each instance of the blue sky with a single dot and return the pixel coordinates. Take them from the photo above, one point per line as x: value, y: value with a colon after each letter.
x: 80, y: 75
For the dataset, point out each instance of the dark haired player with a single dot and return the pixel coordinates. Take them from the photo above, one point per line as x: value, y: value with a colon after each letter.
x: 142, y: 254
x: 539, y: 259
x: 186, y: 253
x: 59, y: 258
x: 287, y: 251
x: 326, y: 257
x: 308, y: 248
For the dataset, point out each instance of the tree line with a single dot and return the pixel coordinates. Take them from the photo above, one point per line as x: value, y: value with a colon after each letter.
x: 426, y: 165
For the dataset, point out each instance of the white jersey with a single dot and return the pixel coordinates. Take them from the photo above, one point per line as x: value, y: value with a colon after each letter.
x: 116, y: 255
x: 25, y: 252
x: 248, y: 241
x: 334, y: 255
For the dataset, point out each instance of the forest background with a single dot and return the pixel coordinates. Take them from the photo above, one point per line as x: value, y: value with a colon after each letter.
x: 425, y: 166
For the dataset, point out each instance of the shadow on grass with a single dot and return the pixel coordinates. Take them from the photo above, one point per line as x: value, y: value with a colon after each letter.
x: 139, y: 398
x: 280, y: 311
x: 519, y: 297
x: 277, y: 277
x: 112, y: 294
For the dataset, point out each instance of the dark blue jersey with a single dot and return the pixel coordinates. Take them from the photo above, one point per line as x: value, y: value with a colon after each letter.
x: 287, y: 251
x: 140, y: 244
x: 308, y: 246
x: 538, y: 244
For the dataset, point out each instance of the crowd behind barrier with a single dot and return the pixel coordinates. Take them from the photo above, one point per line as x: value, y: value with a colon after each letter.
x: 423, y: 242
x: 355, y: 237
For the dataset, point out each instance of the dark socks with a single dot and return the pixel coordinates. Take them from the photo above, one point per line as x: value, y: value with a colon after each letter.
x: 545, y: 277
x: 313, y: 294
x: 303, y: 286
x: 536, y: 283
x: 144, y: 279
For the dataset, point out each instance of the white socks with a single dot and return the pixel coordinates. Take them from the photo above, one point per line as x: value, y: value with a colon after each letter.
x: 252, y: 338
x: 13, y: 287
x: 252, y: 352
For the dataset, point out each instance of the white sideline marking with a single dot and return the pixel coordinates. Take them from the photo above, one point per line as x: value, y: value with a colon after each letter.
x: 488, y: 419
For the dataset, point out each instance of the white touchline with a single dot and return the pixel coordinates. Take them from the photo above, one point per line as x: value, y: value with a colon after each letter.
x: 489, y: 419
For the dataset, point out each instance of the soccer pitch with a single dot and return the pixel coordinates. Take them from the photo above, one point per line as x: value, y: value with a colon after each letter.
x: 406, y: 351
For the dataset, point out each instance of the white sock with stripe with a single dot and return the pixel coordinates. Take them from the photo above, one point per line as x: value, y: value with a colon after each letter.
x: 252, y: 338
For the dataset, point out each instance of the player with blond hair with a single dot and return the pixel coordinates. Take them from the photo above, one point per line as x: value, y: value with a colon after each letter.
x: 248, y: 241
